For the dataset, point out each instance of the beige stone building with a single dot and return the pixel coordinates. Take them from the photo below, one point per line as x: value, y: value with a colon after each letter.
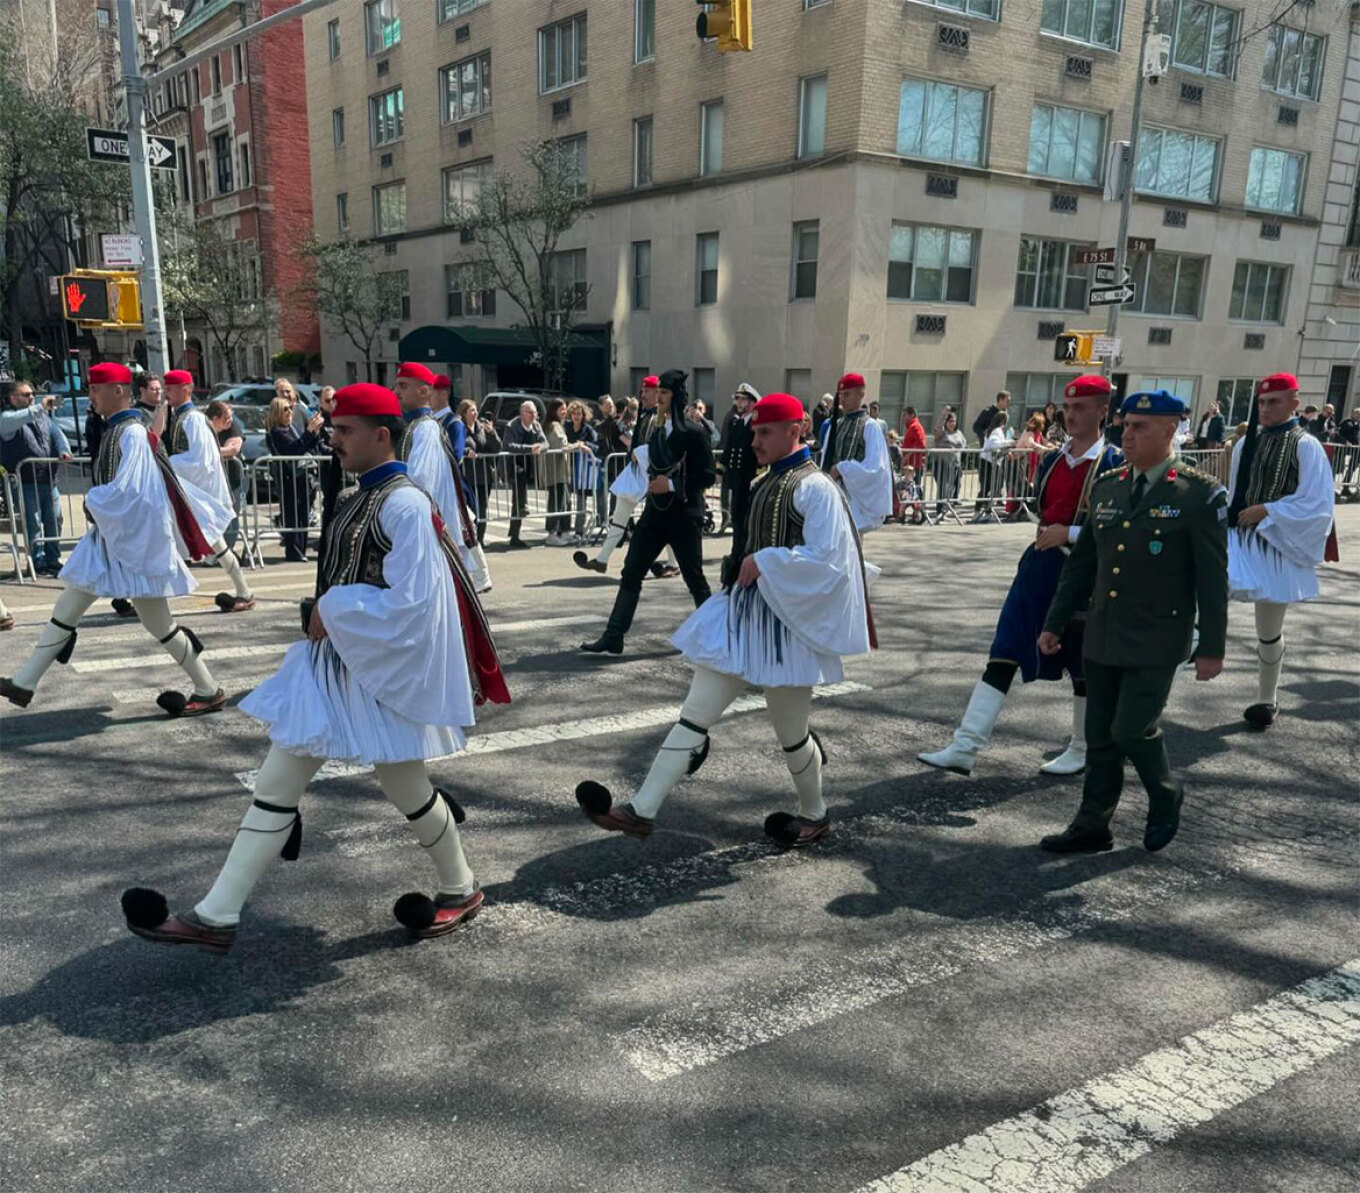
x: 885, y: 185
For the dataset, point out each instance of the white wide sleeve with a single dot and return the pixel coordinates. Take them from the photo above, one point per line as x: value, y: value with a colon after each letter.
x: 428, y: 467
x: 132, y: 512
x: 1297, y: 526
x: 201, y: 464
x: 404, y: 643
x: 869, y: 481
x: 817, y: 589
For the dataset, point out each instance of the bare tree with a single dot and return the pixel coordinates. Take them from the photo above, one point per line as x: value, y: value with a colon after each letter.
x: 517, y: 222
x: 350, y: 294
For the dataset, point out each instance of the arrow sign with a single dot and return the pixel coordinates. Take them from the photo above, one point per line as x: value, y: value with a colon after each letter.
x: 1108, y: 295
x: 110, y: 145
x: 1105, y: 276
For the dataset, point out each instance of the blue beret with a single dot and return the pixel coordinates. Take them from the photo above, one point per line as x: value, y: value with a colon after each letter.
x: 1154, y: 401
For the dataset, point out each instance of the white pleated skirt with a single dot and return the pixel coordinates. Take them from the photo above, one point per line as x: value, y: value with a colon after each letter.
x: 739, y: 634
x: 313, y: 706
x: 90, y: 567
x: 1258, y: 572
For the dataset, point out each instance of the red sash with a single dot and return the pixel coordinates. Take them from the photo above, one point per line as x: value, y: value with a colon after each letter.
x: 484, y: 664
x: 189, y: 530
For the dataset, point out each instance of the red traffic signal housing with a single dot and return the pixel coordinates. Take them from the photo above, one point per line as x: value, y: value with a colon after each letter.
x: 727, y: 21
x: 85, y: 299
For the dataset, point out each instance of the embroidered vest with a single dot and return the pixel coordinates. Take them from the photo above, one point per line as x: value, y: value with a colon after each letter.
x: 177, y: 438
x: 110, y: 453
x: 355, y: 543
x: 849, y: 441
x: 1274, y: 466
x: 774, y: 522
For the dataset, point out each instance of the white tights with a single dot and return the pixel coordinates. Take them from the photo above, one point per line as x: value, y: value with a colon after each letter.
x: 618, y: 525
x: 265, y: 829
x: 154, y: 614
x: 1269, y: 649
x: 710, y: 693
x: 225, y: 558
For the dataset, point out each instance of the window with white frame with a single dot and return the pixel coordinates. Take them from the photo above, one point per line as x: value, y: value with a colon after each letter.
x: 812, y: 116
x: 382, y: 25
x: 642, y: 151
x: 942, y: 122
x: 1066, y: 143
x: 1258, y: 292
x: 397, y: 283
x: 338, y: 126
x: 931, y: 264
x: 710, y: 138
x: 1048, y: 278
x: 215, y: 70
x: 333, y: 38
x: 1093, y: 22
x: 1294, y: 62
x: 705, y: 269
x: 568, y: 288
x: 238, y: 63
x: 926, y: 392
x: 465, y: 88
x: 1182, y: 387
x: 463, y: 187
x: 448, y: 9
x: 1034, y: 391
x: 990, y: 9
x: 573, y: 157
x: 1176, y: 164
x: 389, y: 209
x: 1203, y: 36
x: 342, y: 214
x: 1167, y: 284
x: 562, y: 53
x: 641, y: 283
x: 644, y: 30
x: 386, y: 117
x: 221, y: 147
x: 469, y: 290
x: 1275, y: 180
x: 1234, y: 397
x: 803, y: 281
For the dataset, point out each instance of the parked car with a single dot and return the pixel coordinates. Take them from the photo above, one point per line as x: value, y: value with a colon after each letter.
x: 502, y: 406
x: 69, y: 415
x: 261, y: 393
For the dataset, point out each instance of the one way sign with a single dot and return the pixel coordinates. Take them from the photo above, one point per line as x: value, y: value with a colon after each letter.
x: 110, y: 145
x: 1108, y: 295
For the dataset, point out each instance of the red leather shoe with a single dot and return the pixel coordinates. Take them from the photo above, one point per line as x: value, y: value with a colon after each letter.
x: 424, y: 917
x: 176, y: 704
x: 796, y: 832
x: 598, y: 805
x: 148, y: 917
x: 233, y: 604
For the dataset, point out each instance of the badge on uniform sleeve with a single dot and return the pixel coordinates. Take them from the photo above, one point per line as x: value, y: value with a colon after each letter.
x: 1155, y: 547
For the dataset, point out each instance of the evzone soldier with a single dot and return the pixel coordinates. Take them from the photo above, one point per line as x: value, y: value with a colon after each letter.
x: 679, y: 470
x: 1152, y: 553
x: 150, y: 402
x: 629, y: 489
x: 445, y: 416
x: 1063, y: 485
x: 794, y: 605
x: 428, y: 454
x: 1281, y: 518
x: 194, y: 455
x: 396, y: 658
x: 141, y: 528
x: 855, y: 453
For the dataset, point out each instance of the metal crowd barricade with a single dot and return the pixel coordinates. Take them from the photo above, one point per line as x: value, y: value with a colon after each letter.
x: 68, y: 481
x: 1345, y: 459
x: 281, y: 499
x: 522, y: 487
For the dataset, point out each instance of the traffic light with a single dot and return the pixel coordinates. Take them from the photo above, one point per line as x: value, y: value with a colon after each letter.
x: 85, y: 299
x: 729, y: 21
x: 1073, y: 347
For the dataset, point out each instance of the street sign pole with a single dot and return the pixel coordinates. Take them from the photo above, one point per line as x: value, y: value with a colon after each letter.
x: 1121, y: 244
x: 143, y: 206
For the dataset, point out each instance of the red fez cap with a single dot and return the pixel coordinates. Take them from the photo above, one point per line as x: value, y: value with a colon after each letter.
x: 179, y: 377
x: 415, y: 371
x: 1087, y: 386
x: 778, y: 408
x: 653, y: 381
x: 365, y: 398
x: 850, y: 381
x: 110, y: 373
x: 1277, y: 382
x: 442, y: 382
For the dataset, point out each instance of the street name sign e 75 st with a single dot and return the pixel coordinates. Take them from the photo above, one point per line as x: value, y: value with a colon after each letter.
x: 110, y: 145
x: 1099, y: 296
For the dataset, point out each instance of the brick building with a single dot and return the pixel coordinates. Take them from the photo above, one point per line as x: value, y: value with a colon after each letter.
x: 240, y: 123
x: 894, y: 187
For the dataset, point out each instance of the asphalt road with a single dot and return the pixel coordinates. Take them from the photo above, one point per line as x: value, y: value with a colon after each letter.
x: 927, y: 1002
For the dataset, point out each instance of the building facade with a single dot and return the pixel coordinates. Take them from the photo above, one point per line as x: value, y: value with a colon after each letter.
x: 239, y: 120
x: 898, y: 188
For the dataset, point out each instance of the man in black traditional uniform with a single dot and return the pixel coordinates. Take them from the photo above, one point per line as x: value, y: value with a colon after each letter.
x: 737, y: 462
x: 679, y: 469
x: 1151, y: 556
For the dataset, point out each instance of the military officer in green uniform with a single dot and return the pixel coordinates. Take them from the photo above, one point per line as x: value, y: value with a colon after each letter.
x: 1152, y: 555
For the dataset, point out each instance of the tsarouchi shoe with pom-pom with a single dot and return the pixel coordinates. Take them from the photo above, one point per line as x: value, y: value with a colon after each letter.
x: 795, y: 832
x: 598, y: 804
x: 424, y: 917
x: 148, y: 916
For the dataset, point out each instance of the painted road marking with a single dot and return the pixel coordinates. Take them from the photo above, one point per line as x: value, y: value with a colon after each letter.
x: 514, y: 739
x: 1089, y: 1132
x: 224, y: 654
x: 677, y: 1042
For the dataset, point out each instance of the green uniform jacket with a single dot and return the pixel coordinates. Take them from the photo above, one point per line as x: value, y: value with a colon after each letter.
x: 1146, y: 571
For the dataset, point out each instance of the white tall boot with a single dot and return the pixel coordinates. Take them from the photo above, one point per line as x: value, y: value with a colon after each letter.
x: 973, y: 733
x: 1072, y: 761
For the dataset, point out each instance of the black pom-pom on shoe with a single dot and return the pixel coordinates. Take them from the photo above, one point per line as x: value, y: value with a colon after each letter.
x: 172, y: 702
x: 593, y: 797
x: 414, y: 911
x: 795, y: 832
x: 144, y: 908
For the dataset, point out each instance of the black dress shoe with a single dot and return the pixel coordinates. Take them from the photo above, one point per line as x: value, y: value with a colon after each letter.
x: 606, y: 643
x: 518, y: 545
x: 1260, y: 716
x: 1159, y: 833
x: 1074, y: 839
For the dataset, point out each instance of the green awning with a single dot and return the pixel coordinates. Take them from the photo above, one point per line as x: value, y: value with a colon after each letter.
x: 477, y: 345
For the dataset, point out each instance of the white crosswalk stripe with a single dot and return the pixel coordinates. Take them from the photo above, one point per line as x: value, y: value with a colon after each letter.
x: 514, y: 739
x: 1084, y: 1134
